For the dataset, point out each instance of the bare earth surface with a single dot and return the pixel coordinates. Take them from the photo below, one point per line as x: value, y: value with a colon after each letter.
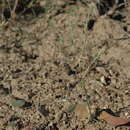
x: 64, y: 73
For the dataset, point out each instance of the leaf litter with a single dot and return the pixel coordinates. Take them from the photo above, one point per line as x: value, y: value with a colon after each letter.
x: 113, y: 120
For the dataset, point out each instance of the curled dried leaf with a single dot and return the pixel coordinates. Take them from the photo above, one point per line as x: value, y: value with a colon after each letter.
x: 113, y: 120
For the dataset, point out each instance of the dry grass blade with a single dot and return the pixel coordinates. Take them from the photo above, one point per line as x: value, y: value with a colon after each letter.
x: 93, y: 62
x: 13, y: 13
x: 9, y: 5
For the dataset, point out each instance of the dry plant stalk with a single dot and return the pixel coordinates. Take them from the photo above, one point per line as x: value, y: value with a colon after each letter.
x: 13, y: 13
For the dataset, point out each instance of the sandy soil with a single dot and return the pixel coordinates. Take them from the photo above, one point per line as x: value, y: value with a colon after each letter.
x: 64, y: 72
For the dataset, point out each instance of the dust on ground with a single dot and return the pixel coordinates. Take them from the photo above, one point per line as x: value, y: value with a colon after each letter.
x: 53, y: 62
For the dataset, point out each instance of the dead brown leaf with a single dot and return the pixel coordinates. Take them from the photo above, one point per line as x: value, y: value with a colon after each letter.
x: 82, y: 111
x: 113, y: 120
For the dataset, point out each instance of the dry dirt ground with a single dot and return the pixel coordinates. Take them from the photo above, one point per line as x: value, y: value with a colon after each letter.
x: 57, y: 73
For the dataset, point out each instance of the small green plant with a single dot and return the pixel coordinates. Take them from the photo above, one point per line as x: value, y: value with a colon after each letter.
x: 17, y: 102
x: 12, y: 124
x: 71, y: 107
